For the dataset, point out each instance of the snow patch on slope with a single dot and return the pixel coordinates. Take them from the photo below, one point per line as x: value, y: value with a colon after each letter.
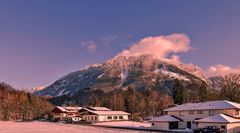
x: 62, y: 93
x: 123, y: 77
x: 38, y: 88
x: 171, y: 74
x: 175, y: 75
x: 93, y: 65
x: 100, y: 76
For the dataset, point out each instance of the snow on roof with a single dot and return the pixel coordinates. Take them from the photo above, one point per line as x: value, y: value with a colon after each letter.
x: 61, y: 108
x: 110, y: 112
x: 99, y: 108
x: 165, y: 118
x: 222, y: 104
x: 107, y: 112
x: 68, y: 109
x: 73, y: 108
x: 219, y: 118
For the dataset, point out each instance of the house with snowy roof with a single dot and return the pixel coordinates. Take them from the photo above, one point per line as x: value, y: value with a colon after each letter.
x: 223, y: 114
x: 63, y: 112
x: 102, y: 114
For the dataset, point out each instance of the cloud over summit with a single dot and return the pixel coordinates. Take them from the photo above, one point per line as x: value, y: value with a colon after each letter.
x: 168, y: 46
x: 159, y: 46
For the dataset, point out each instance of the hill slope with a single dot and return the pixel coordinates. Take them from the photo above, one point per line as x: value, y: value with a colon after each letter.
x: 20, y: 105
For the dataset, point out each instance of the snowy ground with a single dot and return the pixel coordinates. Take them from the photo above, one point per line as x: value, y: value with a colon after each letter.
x: 47, y: 127
x: 124, y: 124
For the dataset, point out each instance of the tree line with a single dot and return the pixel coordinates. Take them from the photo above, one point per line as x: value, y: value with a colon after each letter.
x: 229, y: 90
x: 21, y: 105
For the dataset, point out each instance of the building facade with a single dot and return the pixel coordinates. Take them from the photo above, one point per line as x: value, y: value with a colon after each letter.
x: 102, y: 114
x: 223, y: 114
x: 61, y: 113
x: 88, y: 114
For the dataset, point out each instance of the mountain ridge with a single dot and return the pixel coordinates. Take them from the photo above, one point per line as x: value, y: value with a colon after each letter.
x: 140, y: 72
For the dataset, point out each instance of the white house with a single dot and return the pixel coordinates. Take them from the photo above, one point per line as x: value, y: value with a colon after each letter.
x: 223, y: 114
x: 102, y: 114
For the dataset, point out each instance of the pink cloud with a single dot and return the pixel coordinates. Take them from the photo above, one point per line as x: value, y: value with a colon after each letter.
x: 108, y: 39
x: 159, y: 46
x: 89, y: 45
x: 222, y: 70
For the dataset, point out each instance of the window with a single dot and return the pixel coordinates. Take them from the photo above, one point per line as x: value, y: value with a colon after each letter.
x: 152, y: 124
x: 109, y: 117
x: 115, y: 117
x: 95, y: 117
x: 191, y: 112
x: 180, y: 113
x: 223, y: 127
x: 211, y: 112
x: 120, y: 117
x: 237, y: 112
x: 200, y: 112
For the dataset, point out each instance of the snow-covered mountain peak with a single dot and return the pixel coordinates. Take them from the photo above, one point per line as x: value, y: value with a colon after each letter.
x: 123, y: 71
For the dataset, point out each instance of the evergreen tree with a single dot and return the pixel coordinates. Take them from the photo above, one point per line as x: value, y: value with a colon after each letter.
x: 178, y: 91
x: 203, y: 92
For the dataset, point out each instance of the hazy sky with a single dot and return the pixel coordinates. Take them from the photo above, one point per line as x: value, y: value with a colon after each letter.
x: 43, y: 40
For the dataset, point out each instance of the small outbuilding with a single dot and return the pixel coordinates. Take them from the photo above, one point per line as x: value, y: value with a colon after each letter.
x: 165, y: 122
x: 73, y: 119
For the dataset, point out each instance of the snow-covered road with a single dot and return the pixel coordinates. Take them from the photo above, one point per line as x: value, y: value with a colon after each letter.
x: 47, y: 127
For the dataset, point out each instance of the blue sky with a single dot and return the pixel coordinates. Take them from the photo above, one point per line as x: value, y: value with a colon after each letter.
x: 43, y: 40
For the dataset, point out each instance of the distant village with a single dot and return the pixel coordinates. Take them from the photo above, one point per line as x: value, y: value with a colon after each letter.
x: 212, y: 116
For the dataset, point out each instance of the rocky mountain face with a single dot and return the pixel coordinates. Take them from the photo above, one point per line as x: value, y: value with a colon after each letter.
x: 141, y: 73
x: 216, y: 82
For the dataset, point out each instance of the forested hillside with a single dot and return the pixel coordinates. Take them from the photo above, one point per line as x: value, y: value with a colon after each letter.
x: 20, y: 105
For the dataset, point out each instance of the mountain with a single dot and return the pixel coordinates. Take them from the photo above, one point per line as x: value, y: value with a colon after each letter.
x: 140, y: 72
x: 216, y: 82
x: 38, y: 88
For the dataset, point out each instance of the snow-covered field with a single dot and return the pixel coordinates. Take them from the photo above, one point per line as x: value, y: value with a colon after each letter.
x: 47, y: 127
x: 124, y: 124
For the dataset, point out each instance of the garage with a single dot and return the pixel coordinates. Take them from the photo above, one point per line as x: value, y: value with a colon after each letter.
x: 165, y: 122
x: 222, y: 121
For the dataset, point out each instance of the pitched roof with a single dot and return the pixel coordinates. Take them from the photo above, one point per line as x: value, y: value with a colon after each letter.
x: 72, y: 108
x: 68, y: 109
x: 219, y: 118
x: 61, y: 108
x: 222, y: 104
x: 110, y: 112
x: 99, y: 108
x: 165, y: 118
x: 107, y: 112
